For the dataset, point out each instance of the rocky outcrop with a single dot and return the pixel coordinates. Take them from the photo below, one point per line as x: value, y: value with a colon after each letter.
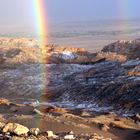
x: 15, y: 128
x: 122, y: 50
x: 112, y: 83
x: 19, y: 51
x: 111, y: 56
x: 105, y: 84
x: 12, y: 56
x: 108, y: 80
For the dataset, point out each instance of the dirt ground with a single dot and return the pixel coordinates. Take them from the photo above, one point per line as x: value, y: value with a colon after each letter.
x: 63, y: 120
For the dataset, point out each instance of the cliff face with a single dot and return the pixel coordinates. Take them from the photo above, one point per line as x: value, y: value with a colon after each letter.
x: 112, y: 83
x: 110, y: 78
x: 27, y: 51
x: 121, y: 50
x: 109, y: 84
x: 18, y: 51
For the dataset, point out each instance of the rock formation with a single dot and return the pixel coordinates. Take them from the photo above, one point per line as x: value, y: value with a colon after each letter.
x: 107, y: 80
x: 122, y: 50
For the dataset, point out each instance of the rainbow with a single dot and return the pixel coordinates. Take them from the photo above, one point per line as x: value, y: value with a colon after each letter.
x: 123, y: 9
x: 41, y: 21
x: 41, y: 24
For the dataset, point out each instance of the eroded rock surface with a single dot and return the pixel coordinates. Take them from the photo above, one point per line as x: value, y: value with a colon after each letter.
x: 122, y: 50
x: 75, y: 77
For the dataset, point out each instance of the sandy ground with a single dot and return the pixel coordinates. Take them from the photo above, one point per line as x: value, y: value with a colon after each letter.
x: 61, y: 120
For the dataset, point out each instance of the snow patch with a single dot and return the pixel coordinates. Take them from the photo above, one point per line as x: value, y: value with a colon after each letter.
x: 68, y: 55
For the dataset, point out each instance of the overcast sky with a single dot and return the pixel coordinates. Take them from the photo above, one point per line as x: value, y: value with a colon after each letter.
x: 20, y: 12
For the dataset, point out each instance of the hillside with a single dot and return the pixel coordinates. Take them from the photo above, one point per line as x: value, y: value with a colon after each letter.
x: 66, y: 89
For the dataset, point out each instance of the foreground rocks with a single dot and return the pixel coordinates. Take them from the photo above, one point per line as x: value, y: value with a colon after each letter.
x: 16, y: 131
x: 50, y: 122
x: 15, y: 128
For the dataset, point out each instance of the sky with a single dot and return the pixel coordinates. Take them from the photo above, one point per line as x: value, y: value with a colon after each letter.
x: 18, y: 13
x: 73, y: 10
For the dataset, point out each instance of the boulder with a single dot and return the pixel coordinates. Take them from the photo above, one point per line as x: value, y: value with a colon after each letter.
x: 15, y: 128
x: 50, y: 134
x: 69, y: 137
x: 34, y: 131
x: 2, y: 124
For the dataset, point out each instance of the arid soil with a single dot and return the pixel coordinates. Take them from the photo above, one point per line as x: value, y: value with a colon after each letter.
x: 83, y: 124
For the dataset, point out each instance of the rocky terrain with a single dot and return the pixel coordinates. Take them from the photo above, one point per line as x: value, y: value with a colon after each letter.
x: 71, y: 75
x: 26, y: 121
x: 108, y: 82
x: 102, y: 83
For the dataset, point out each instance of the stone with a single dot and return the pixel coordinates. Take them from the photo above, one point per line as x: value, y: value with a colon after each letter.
x: 56, y: 110
x: 14, y: 109
x: 51, y: 134
x: 138, y: 117
x: 69, y: 137
x: 7, y: 133
x: 34, y: 131
x: 2, y: 124
x: 85, y: 114
x: 71, y: 133
x: 98, y: 137
x: 104, y: 127
x: 15, y: 128
x: 4, y: 101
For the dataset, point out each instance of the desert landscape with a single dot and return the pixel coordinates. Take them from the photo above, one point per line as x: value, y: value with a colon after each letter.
x: 60, y: 92
x: 69, y: 70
